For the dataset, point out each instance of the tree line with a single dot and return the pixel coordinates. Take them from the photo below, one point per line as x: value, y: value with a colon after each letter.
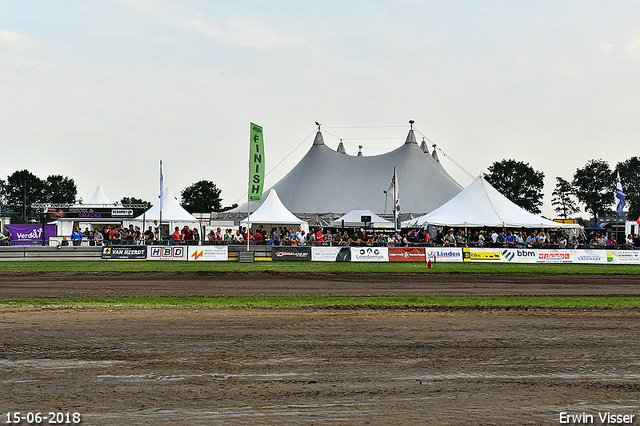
x: 593, y: 186
x: 22, y: 188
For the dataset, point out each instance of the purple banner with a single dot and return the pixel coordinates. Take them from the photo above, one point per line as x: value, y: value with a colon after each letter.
x: 30, y: 234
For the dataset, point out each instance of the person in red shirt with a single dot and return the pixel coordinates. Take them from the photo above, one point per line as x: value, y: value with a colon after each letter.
x: 176, y: 236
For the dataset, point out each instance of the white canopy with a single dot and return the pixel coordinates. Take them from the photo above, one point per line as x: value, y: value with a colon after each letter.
x: 352, y: 220
x: 481, y: 205
x: 172, y: 211
x: 273, y: 212
x: 99, y: 198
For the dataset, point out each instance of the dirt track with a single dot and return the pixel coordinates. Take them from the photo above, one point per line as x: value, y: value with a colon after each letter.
x: 311, y: 366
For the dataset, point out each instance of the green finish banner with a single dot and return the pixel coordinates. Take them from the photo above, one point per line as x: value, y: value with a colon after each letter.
x: 256, y: 164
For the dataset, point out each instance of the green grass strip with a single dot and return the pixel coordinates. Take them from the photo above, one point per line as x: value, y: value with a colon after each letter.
x: 323, y: 302
x: 88, y: 267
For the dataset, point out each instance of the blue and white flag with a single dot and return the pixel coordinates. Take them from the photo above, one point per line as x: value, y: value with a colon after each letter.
x: 620, y: 203
x: 396, y: 200
x: 161, y: 187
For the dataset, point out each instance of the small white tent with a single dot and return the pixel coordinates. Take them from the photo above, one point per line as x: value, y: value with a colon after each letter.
x: 173, y: 214
x: 273, y: 213
x: 481, y: 205
x: 99, y: 198
x: 353, y: 220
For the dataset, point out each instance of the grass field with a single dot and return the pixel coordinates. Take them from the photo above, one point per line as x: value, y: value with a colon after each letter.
x: 327, y: 302
x: 13, y: 267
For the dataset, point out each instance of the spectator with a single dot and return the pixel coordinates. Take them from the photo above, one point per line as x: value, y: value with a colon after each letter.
x: 176, y: 237
x: 97, y: 237
x: 5, y: 236
x: 76, y: 237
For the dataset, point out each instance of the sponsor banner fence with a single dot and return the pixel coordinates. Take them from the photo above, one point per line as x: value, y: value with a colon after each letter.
x: 167, y: 253
x: 481, y: 255
x: 442, y: 254
x: 528, y: 255
x: 369, y: 254
x: 124, y: 252
x: 324, y: 254
x: 29, y: 234
x: 291, y: 253
x: 208, y: 253
x: 407, y: 254
x: 624, y: 256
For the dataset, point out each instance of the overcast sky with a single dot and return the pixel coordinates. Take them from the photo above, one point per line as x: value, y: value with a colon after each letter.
x: 101, y: 91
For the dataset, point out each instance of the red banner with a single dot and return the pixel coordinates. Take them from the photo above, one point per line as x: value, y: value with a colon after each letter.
x: 407, y: 254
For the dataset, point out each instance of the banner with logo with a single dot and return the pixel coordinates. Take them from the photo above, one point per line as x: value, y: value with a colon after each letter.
x: 624, y: 256
x: 30, y: 234
x: 208, y: 253
x: 256, y: 164
x: 124, y: 252
x: 291, y: 253
x: 528, y: 255
x: 407, y: 254
x: 481, y: 254
x: 324, y: 254
x: 369, y: 254
x: 167, y: 253
x: 442, y: 254
x: 89, y: 213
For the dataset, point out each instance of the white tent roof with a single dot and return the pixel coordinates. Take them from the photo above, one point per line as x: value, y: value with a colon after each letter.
x: 481, y: 205
x: 172, y: 211
x: 327, y: 181
x: 99, y: 198
x: 352, y: 219
x: 272, y: 211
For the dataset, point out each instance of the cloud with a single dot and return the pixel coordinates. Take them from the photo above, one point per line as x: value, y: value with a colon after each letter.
x: 245, y: 32
x: 14, y: 40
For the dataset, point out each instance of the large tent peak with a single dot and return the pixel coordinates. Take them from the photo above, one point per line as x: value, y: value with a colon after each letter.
x: 318, y: 140
x: 341, y: 149
x: 411, y: 137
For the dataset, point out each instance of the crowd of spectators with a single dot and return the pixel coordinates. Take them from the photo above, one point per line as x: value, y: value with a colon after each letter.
x: 133, y: 235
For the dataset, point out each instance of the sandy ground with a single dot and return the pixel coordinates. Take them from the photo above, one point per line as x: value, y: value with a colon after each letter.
x: 318, y: 366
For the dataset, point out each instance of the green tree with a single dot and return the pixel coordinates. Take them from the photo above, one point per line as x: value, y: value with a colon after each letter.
x: 132, y: 200
x: 60, y: 189
x: 630, y: 177
x: 519, y: 182
x: 563, y: 198
x: 24, y: 186
x: 201, y: 197
x: 595, y: 185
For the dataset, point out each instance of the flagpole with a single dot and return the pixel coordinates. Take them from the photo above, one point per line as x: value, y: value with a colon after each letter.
x: 249, y: 191
x: 161, y: 202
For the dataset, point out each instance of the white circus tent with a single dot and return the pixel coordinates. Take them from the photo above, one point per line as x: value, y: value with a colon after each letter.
x: 173, y: 214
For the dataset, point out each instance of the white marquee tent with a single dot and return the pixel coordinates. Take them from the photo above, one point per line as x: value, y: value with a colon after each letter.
x: 273, y: 213
x: 481, y: 205
x: 173, y: 214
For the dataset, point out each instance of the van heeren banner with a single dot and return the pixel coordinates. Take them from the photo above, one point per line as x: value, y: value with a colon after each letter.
x: 209, y: 253
x: 369, y: 254
x: 167, y: 253
x: 124, y: 252
x: 407, y: 254
x: 291, y: 253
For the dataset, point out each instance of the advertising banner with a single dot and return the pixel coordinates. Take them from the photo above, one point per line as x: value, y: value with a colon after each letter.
x: 528, y: 255
x: 369, y: 254
x: 481, y: 254
x: 209, y: 253
x: 442, y: 254
x: 291, y: 253
x: 256, y: 164
x: 592, y: 256
x: 124, y: 252
x: 407, y: 254
x: 324, y: 254
x: 167, y: 253
x: 29, y: 235
x: 89, y: 213
x: 624, y: 257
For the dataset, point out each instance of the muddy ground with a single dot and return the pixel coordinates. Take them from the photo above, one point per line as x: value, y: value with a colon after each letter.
x: 318, y: 366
